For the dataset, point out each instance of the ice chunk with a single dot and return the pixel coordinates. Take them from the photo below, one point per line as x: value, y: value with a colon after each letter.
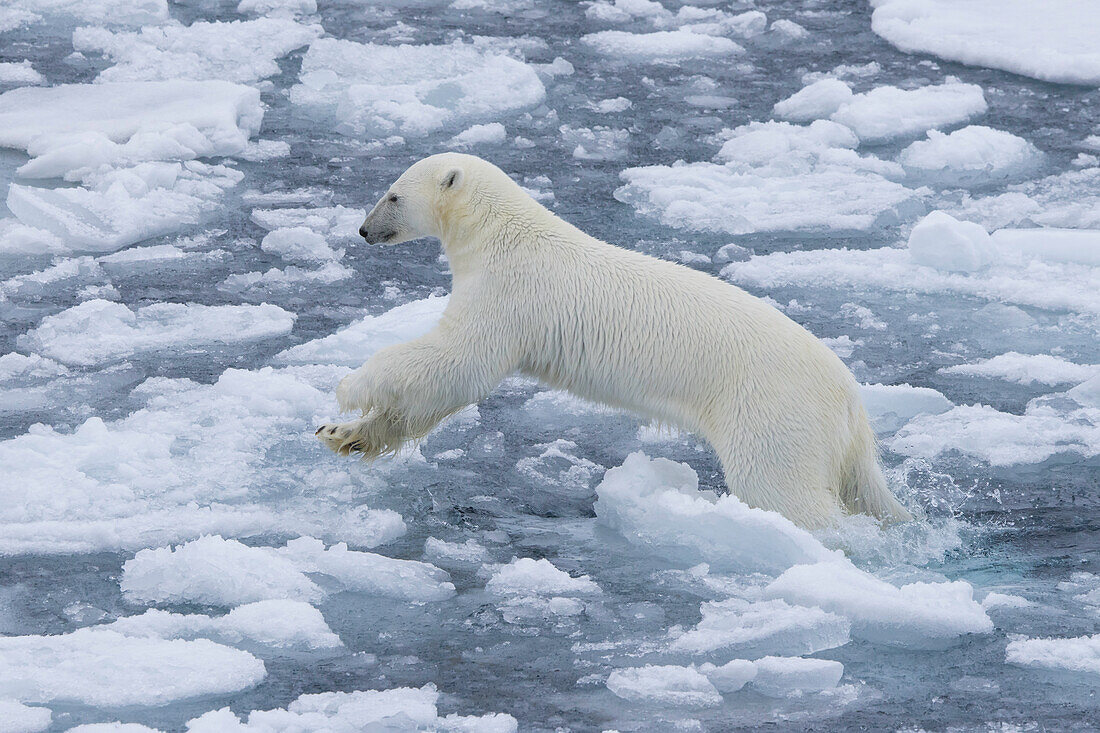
x: 1027, y: 369
x: 103, y: 668
x: 107, y: 12
x: 892, y: 405
x: 762, y: 628
x: 781, y: 676
x: 656, y: 503
x: 731, y: 676
x: 664, y: 685
x: 425, y: 88
x: 275, y: 279
x: 224, y: 114
x: 776, y: 177
x: 275, y: 623
x: 19, y: 72
x: 597, y: 143
x: 354, y: 344
x: 220, y: 572
x: 99, y: 331
x: 493, y: 132
x: 815, y: 101
x: 237, y: 51
x: 661, y: 47
x: 788, y: 30
x: 277, y: 7
x: 298, y: 244
x: 887, y: 112
x: 1080, y: 654
x: 1055, y: 41
x: 1003, y: 438
x: 331, y: 221
x: 17, y: 238
x: 468, y: 552
x: 1005, y: 600
x: 1070, y: 199
x: 399, y: 709
x: 15, y: 717
x: 917, y: 615
x: 525, y: 576
x: 1071, y: 246
x: 972, y: 154
x: 215, y: 572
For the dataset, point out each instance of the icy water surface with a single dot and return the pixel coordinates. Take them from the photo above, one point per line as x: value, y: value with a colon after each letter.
x: 173, y: 253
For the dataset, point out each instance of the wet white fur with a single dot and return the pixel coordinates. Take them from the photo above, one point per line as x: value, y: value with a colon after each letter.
x: 533, y: 293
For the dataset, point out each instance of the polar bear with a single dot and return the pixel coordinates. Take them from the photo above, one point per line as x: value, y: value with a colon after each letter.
x: 533, y: 293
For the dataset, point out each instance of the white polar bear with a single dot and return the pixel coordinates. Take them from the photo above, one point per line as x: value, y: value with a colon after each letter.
x: 533, y: 293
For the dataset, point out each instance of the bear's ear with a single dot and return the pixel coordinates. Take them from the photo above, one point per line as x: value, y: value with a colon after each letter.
x: 451, y: 179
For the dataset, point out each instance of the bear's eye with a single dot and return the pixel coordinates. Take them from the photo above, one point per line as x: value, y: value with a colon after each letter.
x: 393, y: 198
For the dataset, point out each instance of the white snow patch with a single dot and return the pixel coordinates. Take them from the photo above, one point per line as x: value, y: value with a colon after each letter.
x: 525, y: 576
x: 19, y: 72
x: 1080, y: 654
x: 488, y: 134
x: 15, y: 717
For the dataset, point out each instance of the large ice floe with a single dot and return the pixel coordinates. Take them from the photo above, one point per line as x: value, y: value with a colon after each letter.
x: 422, y: 89
x: 1054, y: 41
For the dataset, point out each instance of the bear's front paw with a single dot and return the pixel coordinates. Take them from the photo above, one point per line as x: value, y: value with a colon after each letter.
x: 343, y: 439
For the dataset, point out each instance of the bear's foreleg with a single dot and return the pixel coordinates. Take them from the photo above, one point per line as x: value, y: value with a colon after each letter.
x: 404, y: 391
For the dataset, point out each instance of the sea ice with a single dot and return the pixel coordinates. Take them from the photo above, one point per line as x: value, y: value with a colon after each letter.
x: 889, y: 406
x: 525, y: 576
x: 917, y: 615
x: 762, y: 628
x: 19, y: 72
x: 280, y: 624
x: 490, y: 133
x: 15, y: 717
x: 731, y: 676
x: 329, y: 221
x: 400, y: 709
x: 1080, y: 654
x: 814, y: 101
x: 102, y: 668
x: 941, y: 241
x: 657, y: 503
x: 1055, y: 41
x: 220, y: 572
x: 780, y: 676
x: 109, y: 12
x: 663, y: 685
x: 354, y: 344
x: 661, y: 47
x: 973, y: 154
x: 239, y: 51
x: 298, y: 244
x: 775, y: 177
x: 425, y: 88
x: 1030, y: 369
x: 887, y: 112
x: 99, y: 331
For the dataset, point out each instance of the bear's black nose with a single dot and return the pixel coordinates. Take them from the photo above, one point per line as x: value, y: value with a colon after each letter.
x: 363, y: 232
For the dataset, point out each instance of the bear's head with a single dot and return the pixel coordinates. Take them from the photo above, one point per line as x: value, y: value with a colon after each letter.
x: 423, y: 202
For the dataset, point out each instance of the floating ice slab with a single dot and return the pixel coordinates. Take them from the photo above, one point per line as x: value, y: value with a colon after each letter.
x: 1070, y: 199
x: 781, y: 676
x: 1080, y: 654
x: 425, y: 88
x: 215, y: 572
x: 1054, y: 41
x: 196, y: 459
x: 657, y: 503
x: 945, y: 243
x: 329, y: 221
x: 661, y: 46
x: 19, y: 72
x: 1048, y: 427
x: 493, y: 132
x: 276, y: 279
x: 664, y: 685
x: 220, y: 572
x: 280, y: 624
x: 15, y: 717
x: 401, y: 709
x: 298, y: 244
x: 731, y: 676
x: 525, y: 576
x: 109, y: 12
x: 100, y: 331
x: 237, y: 51
x: 776, y: 177
x: 354, y: 344
x: 814, y: 101
x: 892, y: 405
x: 763, y: 628
x: 225, y: 114
x: 17, y: 238
x: 887, y: 112
x: 106, y: 669
x: 1027, y: 369
x: 973, y: 154
x: 917, y: 615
